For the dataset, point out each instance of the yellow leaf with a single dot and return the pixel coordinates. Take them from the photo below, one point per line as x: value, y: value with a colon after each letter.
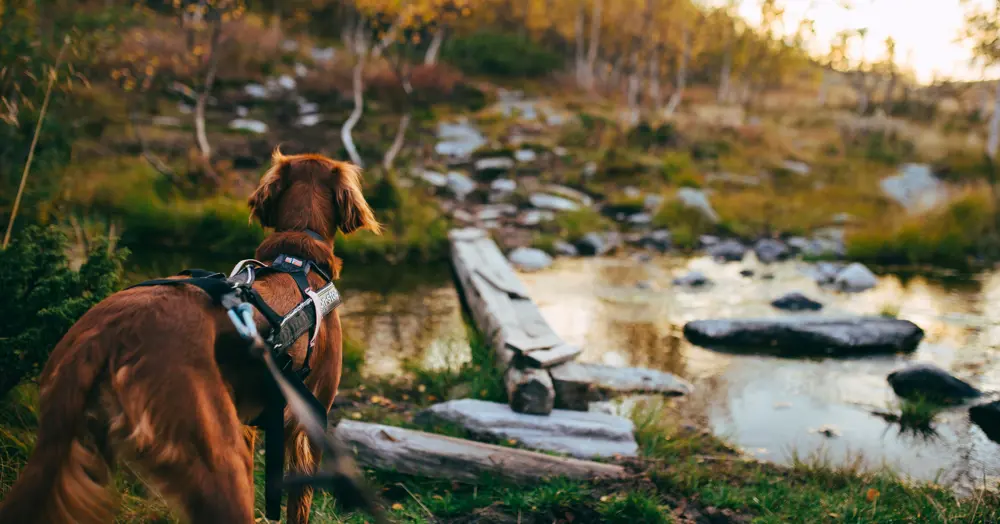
x: 397, y: 507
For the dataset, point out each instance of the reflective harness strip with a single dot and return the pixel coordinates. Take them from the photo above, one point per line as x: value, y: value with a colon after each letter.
x: 239, y: 298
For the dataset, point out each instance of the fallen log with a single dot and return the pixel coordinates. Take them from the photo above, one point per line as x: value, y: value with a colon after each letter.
x: 428, y: 455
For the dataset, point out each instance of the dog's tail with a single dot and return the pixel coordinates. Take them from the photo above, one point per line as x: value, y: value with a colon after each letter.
x: 66, y: 478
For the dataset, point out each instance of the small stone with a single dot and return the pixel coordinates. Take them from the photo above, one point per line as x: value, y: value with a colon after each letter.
x: 708, y: 240
x: 256, y: 90
x: 660, y: 240
x: 855, y: 278
x: 652, y: 202
x: 503, y: 185
x: 727, y: 251
x: 746, y: 272
x: 253, y: 126
x: 564, y: 248
x: 632, y: 192
x: 322, y: 54
x: 301, y: 70
x: 434, y: 178
x: 525, y: 156
x: 799, y: 168
x: 494, y: 164
x: 640, y: 219
x: 560, y: 151
x: 589, y: 169
x: 533, y: 217
x: 769, y: 250
x: 598, y: 244
x: 692, y: 279
x: 796, y: 302
x: 529, y: 259
x: 460, y: 184
x: 308, y: 120
x: 551, y: 202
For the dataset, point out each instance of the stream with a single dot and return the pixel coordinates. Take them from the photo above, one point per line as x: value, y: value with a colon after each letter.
x: 771, y: 407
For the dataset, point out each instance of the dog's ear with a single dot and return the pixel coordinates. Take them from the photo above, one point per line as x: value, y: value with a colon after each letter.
x: 263, y: 200
x: 351, y: 211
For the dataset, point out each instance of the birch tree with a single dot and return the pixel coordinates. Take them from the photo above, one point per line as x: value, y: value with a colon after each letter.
x: 982, y: 30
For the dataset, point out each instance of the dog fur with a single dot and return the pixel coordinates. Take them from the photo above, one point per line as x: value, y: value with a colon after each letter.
x: 158, y: 378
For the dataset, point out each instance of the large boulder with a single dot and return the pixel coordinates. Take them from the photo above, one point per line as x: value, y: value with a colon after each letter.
x: 529, y: 259
x: 796, y: 302
x: 578, y: 433
x: 807, y: 335
x: 931, y: 383
x: 769, y: 250
x: 727, y: 251
x: 987, y: 417
x: 915, y: 188
x: 855, y: 278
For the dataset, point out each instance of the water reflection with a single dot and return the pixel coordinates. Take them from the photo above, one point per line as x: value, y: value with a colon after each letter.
x: 625, y: 312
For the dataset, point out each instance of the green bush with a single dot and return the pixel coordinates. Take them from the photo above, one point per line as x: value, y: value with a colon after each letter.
x: 647, y: 137
x: 678, y: 168
x: 41, y: 297
x: 572, y: 225
x: 500, y: 54
x: 686, y: 224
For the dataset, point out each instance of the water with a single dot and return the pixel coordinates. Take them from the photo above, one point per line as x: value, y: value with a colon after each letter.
x: 771, y: 407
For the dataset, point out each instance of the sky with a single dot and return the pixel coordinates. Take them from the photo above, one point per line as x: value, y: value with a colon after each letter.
x: 925, y: 30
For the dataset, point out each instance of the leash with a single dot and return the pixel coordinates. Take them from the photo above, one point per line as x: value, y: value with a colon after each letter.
x: 341, y: 475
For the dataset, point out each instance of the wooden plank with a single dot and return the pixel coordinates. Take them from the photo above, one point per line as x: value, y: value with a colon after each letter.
x: 534, y: 326
x: 425, y: 454
x: 468, y: 234
x: 529, y: 391
x: 546, y: 358
x: 497, y: 270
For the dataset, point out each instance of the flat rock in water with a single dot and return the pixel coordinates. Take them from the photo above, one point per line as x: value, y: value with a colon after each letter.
x: 769, y: 250
x: 796, y: 302
x: 931, y: 383
x: 580, y: 434
x: 728, y: 251
x: 529, y: 259
x: 808, y: 336
x: 692, y: 279
x: 987, y: 417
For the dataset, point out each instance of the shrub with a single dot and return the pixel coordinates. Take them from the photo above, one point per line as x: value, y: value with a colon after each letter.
x: 572, y: 225
x: 647, y: 137
x: 685, y: 223
x: 678, y: 168
x: 964, y: 166
x: 947, y: 236
x: 42, y: 297
x: 500, y: 54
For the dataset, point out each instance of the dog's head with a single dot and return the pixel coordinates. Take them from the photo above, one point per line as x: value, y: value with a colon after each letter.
x: 312, y: 192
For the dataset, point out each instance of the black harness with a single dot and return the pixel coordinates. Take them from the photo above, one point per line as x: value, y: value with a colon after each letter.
x: 236, y: 294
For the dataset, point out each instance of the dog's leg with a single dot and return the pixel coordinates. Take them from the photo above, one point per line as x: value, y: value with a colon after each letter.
x: 188, y: 438
x: 302, y: 459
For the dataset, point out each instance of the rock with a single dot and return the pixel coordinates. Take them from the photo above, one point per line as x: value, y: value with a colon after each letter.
x: 796, y: 302
x: 652, y: 202
x: 529, y: 391
x: 632, y: 192
x: 577, y: 433
x: 253, y: 126
x: 692, y: 279
x: 578, y: 384
x: 598, y: 244
x: 746, y: 273
x: 503, y: 185
x: 494, y: 164
x: 769, y: 250
x: 458, y: 140
x: 242, y: 111
x: 799, y: 168
x: 767, y: 276
x: 322, y: 54
x: 308, y: 120
x: 827, y: 430
x: 490, y: 213
x: 640, y: 219
x: 570, y: 193
x: 529, y: 259
x: 533, y: 217
x: 301, y: 70
x: 931, y: 383
x: 434, y: 178
x: 590, y: 169
x: 256, y: 91
x: 734, y: 179
x: 463, y: 216
x: 660, y: 240
x: 708, y: 240
x: 306, y: 107
x: 728, y: 251
x: 798, y: 244
x: 825, y: 272
x: 697, y: 199
x: 645, y: 285
x: 525, y: 156
x: 915, y: 188
x: 808, y: 335
x: 552, y: 202
x: 564, y: 248
x: 460, y: 184
x: 987, y: 417
x: 855, y: 278
x: 287, y: 82
x: 560, y: 151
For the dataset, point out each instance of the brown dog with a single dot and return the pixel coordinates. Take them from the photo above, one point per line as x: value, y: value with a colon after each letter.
x: 159, y: 377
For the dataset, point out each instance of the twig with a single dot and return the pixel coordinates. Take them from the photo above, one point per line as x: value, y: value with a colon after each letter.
x: 34, y: 141
x: 150, y: 158
x: 429, y: 513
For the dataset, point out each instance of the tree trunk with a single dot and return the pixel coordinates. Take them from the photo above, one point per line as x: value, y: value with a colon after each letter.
x: 581, y: 58
x: 888, y: 98
x: 725, y: 76
x: 206, y: 91
x: 359, y: 104
x: 595, y: 38
x: 682, y: 66
x: 655, y: 94
x: 431, y: 57
x: 404, y: 122
x: 632, y: 91
x: 993, y: 139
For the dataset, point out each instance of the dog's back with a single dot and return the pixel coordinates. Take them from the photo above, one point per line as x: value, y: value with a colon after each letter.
x: 137, y: 349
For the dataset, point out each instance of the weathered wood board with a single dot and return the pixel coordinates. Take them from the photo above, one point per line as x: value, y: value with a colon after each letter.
x: 429, y: 455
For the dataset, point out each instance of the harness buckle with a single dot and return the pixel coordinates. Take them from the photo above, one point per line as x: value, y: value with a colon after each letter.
x: 242, y: 317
